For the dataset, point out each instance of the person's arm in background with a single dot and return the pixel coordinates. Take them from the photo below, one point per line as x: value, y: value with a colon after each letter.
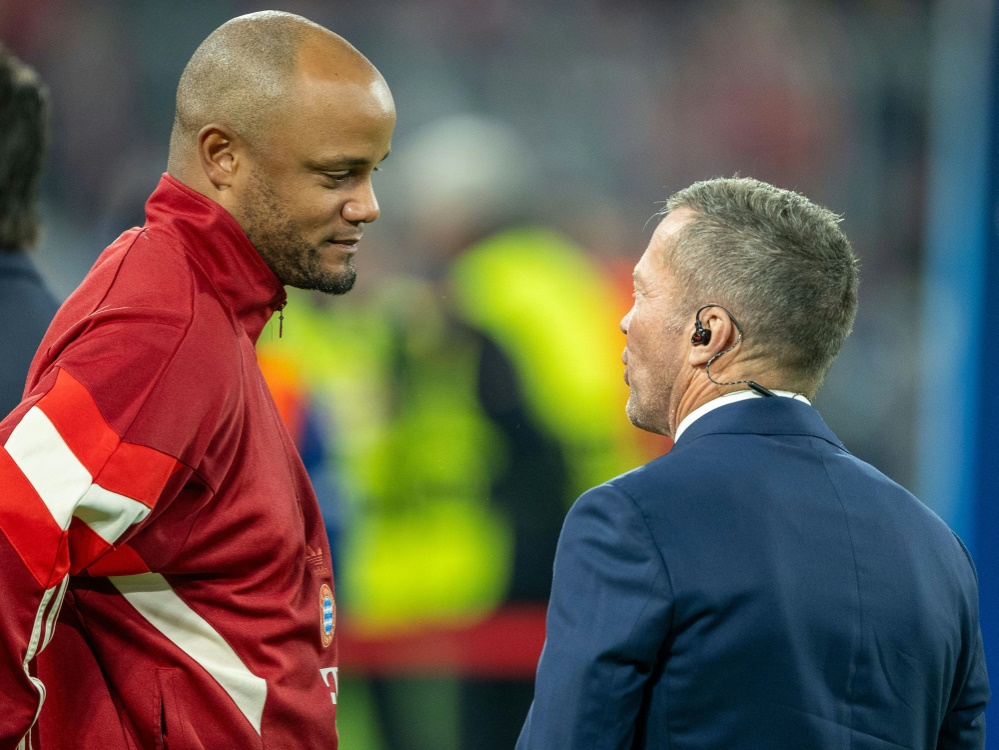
x: 609, y: 614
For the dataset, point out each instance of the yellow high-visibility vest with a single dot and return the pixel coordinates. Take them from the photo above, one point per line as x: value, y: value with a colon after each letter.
x: 399, y: 376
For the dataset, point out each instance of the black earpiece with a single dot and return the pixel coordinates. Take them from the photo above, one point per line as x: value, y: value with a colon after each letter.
x: 701, y: 335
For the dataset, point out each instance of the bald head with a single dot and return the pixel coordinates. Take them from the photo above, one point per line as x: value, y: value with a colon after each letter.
x: 282, y: 123
x: 246, y: 71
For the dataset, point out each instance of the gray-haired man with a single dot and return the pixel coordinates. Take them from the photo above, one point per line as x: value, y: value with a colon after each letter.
x: 758, y: 586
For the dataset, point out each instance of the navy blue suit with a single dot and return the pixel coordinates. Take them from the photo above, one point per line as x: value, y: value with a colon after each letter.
x: 26, y: 309
x: 758, y: 587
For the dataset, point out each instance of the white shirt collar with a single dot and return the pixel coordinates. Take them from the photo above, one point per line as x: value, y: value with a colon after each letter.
x: 725, y: 399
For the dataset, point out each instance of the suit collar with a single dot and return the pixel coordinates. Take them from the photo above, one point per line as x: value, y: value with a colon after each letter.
x: 762, y: 416
x: 724, y: 399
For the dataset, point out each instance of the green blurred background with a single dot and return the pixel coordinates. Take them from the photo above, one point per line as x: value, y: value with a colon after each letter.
x: 455, y: 403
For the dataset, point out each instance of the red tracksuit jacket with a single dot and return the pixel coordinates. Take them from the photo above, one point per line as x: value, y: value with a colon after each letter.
x: 164, y: 569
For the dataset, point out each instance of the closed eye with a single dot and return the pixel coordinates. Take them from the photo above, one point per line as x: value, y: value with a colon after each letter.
x: 339, y: 177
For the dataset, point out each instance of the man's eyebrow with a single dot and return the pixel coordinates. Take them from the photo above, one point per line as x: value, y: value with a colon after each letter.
x: 334, y: 163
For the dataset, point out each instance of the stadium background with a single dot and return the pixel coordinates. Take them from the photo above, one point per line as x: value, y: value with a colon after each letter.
x: 584, y: 114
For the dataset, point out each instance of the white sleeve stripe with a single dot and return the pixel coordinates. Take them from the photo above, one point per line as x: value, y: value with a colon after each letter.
x: 108, y: 514
x: 50, y: 621
x: 157, y: 602
x: 40, y: 640
x: 48, y: 463
x: 63, y: 482
x: 35, y: 642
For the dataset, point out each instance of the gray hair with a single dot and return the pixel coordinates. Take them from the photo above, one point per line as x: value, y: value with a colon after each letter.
x: 780, y: 263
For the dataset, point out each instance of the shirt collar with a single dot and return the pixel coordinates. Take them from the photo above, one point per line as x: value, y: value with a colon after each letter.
x: 724, y: 400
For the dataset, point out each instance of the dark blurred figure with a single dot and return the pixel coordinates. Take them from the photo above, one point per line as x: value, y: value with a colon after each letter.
x: 26, y: 305
x: 505, y: 401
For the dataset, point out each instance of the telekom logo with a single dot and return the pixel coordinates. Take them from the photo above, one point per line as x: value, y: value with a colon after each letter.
x: 335, y: 672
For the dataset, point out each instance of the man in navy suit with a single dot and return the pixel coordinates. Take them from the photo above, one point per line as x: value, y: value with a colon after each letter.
x: 757, y: 587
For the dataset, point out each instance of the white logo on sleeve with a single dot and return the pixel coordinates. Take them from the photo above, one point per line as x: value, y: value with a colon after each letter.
x: 335, y: 672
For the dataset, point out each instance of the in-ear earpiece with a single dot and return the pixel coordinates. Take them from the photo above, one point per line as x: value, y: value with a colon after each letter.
x: 701, y: 335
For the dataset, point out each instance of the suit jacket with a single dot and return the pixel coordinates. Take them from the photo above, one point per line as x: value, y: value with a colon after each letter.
x: 759, y: 587
x: 26, y: 309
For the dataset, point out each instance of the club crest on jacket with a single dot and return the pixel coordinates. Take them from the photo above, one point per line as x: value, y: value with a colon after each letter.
x: 327, y: 610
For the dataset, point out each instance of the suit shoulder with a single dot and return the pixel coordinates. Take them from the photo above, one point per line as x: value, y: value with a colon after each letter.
x: 866, y: 492
x: 846, y: 470
x: 677, y: 469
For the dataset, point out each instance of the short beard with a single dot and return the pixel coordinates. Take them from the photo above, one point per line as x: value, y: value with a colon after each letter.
x: 279, y: 243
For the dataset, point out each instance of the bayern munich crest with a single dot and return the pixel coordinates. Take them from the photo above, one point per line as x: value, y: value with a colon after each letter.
x: 327, y: 609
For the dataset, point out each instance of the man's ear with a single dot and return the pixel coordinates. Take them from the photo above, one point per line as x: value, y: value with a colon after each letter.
x: 217, y: 155
x: 723, y: 335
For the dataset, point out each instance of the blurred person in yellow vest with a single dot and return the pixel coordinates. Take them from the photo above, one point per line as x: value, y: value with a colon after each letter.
x: 480, y: 395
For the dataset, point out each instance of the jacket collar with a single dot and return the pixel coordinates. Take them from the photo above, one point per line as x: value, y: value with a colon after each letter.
x: 762, y: 416
x: 214, y: 241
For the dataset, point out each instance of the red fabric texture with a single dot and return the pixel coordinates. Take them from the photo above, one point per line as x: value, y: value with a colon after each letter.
x: 149, y: 375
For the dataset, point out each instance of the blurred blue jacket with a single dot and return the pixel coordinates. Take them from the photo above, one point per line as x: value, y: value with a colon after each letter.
x: 26, y: 309
x: 759, y: 587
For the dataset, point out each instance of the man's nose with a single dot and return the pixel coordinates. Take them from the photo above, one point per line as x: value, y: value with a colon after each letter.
x: 626, y: 321
x: 362, y: 207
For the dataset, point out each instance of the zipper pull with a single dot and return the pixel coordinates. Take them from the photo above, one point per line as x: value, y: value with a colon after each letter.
x: 281, y: 319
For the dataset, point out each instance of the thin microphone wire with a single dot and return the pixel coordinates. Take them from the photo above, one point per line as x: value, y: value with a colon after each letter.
x: 707, y: 367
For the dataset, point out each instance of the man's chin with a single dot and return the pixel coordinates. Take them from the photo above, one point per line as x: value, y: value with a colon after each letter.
x: 639, y: 419
x: 336, y: 282
x: 633, y: 414
x: 334, y: 285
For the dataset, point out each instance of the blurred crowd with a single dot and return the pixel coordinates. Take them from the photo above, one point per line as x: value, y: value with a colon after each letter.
x: 452, y: 406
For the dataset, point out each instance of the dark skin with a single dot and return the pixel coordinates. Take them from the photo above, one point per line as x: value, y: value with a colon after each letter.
x: 301, y: 189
